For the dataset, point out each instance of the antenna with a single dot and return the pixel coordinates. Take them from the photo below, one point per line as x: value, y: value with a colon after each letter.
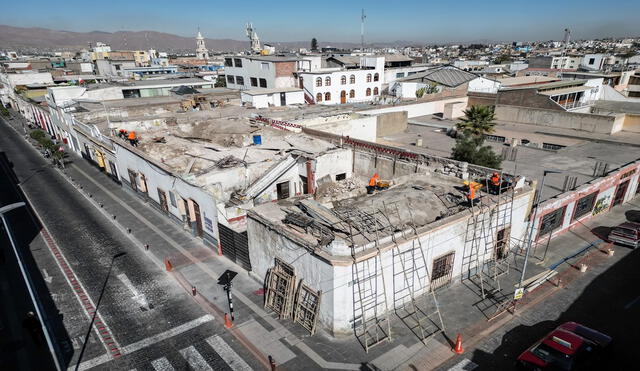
x: 362, y: 17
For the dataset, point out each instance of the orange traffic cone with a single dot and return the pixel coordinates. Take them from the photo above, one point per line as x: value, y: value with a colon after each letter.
x: 458, y: 348
x: 167, y: 264
x: 227, y: 321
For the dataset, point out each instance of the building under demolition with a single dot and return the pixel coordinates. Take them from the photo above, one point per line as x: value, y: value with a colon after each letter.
x: 356, y: 258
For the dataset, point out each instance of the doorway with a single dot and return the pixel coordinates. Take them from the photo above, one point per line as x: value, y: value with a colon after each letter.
x: 343, y: 97
x: 132, y: 180
x: 502, y: 244
x: 282, y: 190
x: 196, y: 211
x: 283, y: 99
x: 620, y: 192
x: 162, y: 197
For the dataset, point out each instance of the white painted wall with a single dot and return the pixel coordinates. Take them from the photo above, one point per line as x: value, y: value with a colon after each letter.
x: 272, y: 99
x: 484, y: 85
x: 29, y: 78
x: 417, y: 109
x: 336, y: 87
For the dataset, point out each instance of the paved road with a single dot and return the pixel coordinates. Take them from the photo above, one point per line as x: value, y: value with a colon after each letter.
x: 606, y: 298
x: 146, y: 320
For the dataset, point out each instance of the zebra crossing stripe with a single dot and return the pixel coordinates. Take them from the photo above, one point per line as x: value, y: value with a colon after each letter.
x: 162, y: 364
x: 195, y: 359
x: 227, y: 354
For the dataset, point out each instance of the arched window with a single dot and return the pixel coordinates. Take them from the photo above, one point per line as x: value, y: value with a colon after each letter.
x: 319, y: 81
x: 352, y: 79
x: 368, y: 92
x: 375, y: 91
x: 376, y: 77
x: 327, y: 81
x: 352, y: 93
x: 368, y: 77
x: 319, y: 97
x: 343, y: 80
x: 327, y: 96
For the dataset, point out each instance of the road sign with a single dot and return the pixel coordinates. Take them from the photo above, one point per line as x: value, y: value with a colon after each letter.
x: 518, y: 294
x: 226, y: 277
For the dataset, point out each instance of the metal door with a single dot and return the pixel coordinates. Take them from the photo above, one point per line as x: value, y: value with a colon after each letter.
x: 235, y: 246
x: 283, y: 99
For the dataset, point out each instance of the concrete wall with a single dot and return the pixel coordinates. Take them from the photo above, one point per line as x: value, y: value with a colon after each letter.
x: 559, y: 119
x: 272, y: 99
x: 631, y: 123
x: 418, y: 108
x: 390, y: 123
x: 484, y: 85
x: 358, y: 127
x: 528, y: 98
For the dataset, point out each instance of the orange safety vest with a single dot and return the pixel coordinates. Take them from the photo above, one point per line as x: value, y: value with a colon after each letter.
x: 374, y: 180
x: 495, y: 180
x: 472, y: 193
x: 132, y: 135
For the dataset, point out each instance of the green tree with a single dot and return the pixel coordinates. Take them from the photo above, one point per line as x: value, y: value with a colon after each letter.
x: 221, y: 82
x: 478, y: 121
x: 314, y: 44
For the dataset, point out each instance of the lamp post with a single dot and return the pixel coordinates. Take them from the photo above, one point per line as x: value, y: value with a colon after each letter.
x: 95, y: 312
x: 27, y: 281
x: 533, y: 220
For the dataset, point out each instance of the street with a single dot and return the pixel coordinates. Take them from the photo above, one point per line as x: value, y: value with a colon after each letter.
x: 145, y: 319
x: 606, y: 298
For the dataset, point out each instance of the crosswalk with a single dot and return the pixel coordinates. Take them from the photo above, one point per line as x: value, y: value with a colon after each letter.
x: 197, y: 362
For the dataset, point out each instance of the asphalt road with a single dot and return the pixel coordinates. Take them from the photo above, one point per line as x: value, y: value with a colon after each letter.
x: 146, y: 315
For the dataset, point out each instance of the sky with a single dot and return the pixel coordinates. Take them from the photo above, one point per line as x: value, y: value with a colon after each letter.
x: 424, y: 21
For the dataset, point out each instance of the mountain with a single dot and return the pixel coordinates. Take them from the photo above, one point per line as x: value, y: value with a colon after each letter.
x: 42, y: 38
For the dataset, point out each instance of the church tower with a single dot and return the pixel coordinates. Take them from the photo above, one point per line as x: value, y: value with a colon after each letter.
x: 201, y: 49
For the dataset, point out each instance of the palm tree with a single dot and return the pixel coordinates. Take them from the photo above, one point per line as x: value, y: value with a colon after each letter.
x: 478, y: 121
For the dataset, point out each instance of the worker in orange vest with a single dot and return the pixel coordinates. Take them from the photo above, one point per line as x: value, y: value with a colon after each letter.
x: 372, y: 183
x: 495, y: 183
x: 133, y: 139
x: 471, y: 196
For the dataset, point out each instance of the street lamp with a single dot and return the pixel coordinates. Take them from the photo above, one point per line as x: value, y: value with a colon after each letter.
x: 27, y: 280
x: 533, y: 220
x: 95, y: 312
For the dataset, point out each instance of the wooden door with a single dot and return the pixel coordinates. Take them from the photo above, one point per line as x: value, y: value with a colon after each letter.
x: 132, y: 180
x: 620, y: 192
x: 343, y: 97
x: 162, y: 197
x: 196, y: 210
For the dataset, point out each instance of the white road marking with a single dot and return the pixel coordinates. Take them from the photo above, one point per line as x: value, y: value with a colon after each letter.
x: 137, y: 296
x: 162, y: 364
x: 195, y: 359
x: 464, y: 365
x: 227, y: 354
x: 148, y: 341
x: 46, y: 276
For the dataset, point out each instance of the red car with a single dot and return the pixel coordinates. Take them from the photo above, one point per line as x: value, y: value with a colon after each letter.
x: 571, y: 346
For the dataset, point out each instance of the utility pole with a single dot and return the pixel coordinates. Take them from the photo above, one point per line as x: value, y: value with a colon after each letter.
x: 362, y: 17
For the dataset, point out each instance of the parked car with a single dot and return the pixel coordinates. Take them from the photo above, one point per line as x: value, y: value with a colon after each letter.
x: 571, y: 346
x: 626, y: 234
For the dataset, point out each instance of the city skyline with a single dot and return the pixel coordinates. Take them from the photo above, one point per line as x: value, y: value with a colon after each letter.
x: 384, y: 24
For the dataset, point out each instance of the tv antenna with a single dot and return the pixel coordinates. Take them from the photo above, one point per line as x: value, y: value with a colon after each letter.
x: 362, y: 18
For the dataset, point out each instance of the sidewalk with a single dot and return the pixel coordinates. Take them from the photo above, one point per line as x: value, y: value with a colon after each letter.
x: 193, y: 264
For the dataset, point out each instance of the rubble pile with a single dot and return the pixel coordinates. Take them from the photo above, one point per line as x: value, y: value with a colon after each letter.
x: 341, y: 189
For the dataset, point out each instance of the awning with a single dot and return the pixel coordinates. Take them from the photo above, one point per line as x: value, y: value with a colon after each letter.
x: 573, y: 89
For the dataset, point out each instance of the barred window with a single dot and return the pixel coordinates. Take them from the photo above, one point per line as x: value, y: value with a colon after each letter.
x: 551, y: 221
x: 585, y: 205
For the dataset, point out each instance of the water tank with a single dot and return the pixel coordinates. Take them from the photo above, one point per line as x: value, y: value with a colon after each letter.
x: 257, y: 139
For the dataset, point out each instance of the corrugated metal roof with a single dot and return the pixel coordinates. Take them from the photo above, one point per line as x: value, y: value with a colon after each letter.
x: 447, y: 75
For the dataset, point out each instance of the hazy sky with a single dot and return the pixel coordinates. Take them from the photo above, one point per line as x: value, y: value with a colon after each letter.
x: 329, y: 20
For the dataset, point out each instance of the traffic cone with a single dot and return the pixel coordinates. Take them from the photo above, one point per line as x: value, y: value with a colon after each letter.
x: 167, y: 264
x: 227, y: 321
x: 458, y: 348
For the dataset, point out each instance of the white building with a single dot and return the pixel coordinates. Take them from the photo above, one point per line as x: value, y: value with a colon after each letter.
x: 263, y: 98
x: 267, y: 72
x: 593, y: 62
x: 340, y: 86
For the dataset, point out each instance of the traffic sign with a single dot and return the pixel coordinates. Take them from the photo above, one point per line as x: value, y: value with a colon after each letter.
x: 226, y: 277
x: 518, y: 294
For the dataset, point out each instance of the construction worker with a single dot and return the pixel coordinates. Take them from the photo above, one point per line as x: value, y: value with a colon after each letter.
x: 471, y: 196
x: 494, y: 183
x: 373, y: 182
x: 133, y: 140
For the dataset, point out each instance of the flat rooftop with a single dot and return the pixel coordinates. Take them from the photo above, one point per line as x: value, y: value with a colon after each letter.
x: 578, y: 158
